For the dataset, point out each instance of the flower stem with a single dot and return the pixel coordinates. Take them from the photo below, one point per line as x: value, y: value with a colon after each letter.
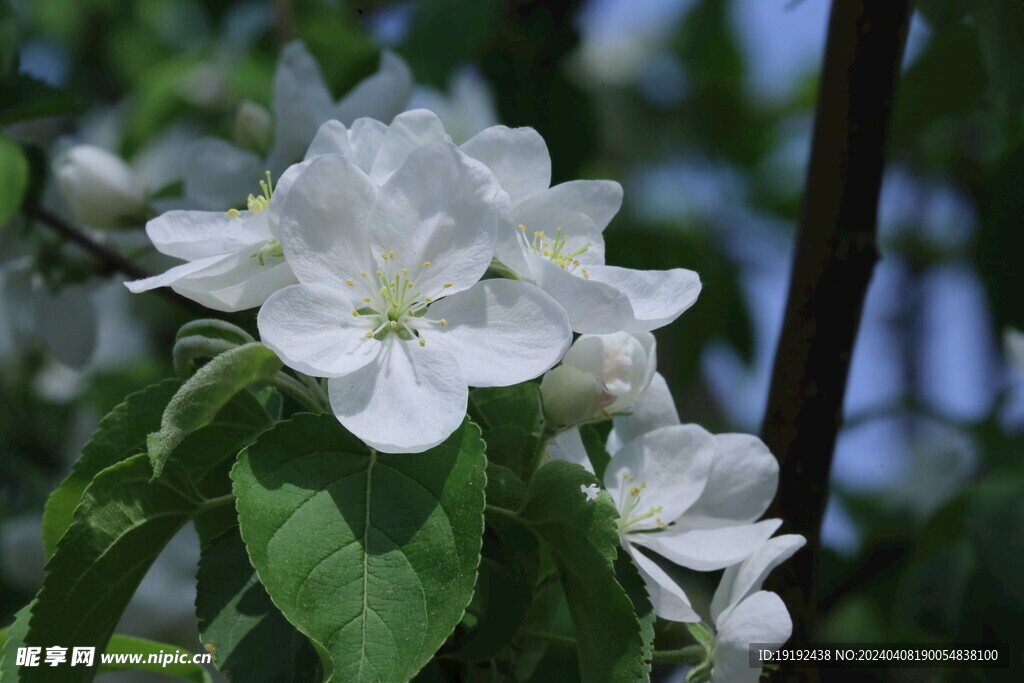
x: 211, y: 503
x: 296, y: 390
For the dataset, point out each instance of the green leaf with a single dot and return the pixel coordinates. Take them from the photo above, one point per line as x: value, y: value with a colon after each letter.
x: 205, y: 339
x: 122, y: 433
x: 584, y: 541
x: 513, y: 425
x: 504, y: 488
x: 122, y: 644
x: 14, y: 637
x: 13, y: 176
x: 249, y: 638
x: 119, y: 528
x: 508, y: 575
x: 594, y: 437
x: 372, y: 556
x: 629, y: 578
x: 205, y: 393
x: 23, y: 97
x: 119, y: 644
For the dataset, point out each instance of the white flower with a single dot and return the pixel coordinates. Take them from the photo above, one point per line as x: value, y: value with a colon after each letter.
x: 744, y: 614
x: 234, y: 258
x: 101, y: 189
x: 220, y: 174
x: 390, y: 306
x: 684, y: 494
x: 591, y: 492
x: 466, y: 109
x: 553, y: 237
x: 600, y: 374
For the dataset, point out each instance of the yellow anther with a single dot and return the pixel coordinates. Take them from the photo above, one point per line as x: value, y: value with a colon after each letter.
x: 586, y: 275
x: 355, y: 313
x: 660, y: 522
x: 366, y: 299
x: 405, y: 271
x: 393, y: 283
x: 443, y: 322
x: 394, y: 324
x: 380, y: 273
x: 394, y: 304
x: 408, y: 285
x: 234, y: 213
x: 423, y: 342
x: 363, y: 273
x: 426, y: 264
x: 427, y: 299
x: 634, y: 490
x: 350, y: 283
x: 383, y: 291
x: 522, y: 227
x: 447, y: 285
x: 369, y: 335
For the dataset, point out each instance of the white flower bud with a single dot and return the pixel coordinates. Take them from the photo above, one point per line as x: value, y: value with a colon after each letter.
x: 623, y: 362
x: 254, y: 127
x: 571, y: 396
x: 101, y: 189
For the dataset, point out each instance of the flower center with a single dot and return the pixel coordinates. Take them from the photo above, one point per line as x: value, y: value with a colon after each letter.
x: 393, y: 302
x: 554, y: 249
x: 271, y: 249
x: 630, y: 504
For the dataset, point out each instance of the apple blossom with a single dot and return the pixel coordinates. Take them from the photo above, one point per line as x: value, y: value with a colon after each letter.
x: 219, y: 174
x: 390, y: 306
x: 552, y: 236
x: 600, y: 374
x: 101, y: 189
x: 744, y: 614
x: 234, y: 258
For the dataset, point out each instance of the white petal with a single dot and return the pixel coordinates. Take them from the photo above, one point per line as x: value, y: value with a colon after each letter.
x: 655, y: 408
x: 709, y: 549
x: 741, y: 580
x: 439, y: 207
x: 365, y: 137
x: 219, y: 175
x: 330, y: 138
x: 1013, y: 345
x: 593, y: 307
x: 501, y: 332
x: 598, y: 199
x: 325, y: 220
x: 667, y: 598
x: 310, y: 328
x: 212, y: 265
x: 568, y: 446
x: 743, y: 481
x: 657, y: 296
x: 246, y: 286
x: 409, y: 399
x: 192, y: 235
x: 301, y: 103
x: 622, y: 361
x: 409, y: 131
x: 670, y: 464
x: 517, y: 156
x: 378, y: 96
x: 761, y: 618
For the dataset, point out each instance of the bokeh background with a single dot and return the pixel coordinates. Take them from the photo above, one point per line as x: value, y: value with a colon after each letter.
x: 703, y: 110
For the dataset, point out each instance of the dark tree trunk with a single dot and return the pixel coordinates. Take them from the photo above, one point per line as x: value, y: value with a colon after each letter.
x: 833, y: 259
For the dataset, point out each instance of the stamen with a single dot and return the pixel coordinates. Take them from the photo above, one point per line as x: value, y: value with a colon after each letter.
x: 447, y: 285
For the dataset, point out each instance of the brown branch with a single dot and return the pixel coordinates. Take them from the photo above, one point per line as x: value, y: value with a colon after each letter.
x: 833, y: 260
x: 109, y: 260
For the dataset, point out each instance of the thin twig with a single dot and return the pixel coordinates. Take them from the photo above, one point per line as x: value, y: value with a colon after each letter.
x: 109, y: 260
x: 833, y: 261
